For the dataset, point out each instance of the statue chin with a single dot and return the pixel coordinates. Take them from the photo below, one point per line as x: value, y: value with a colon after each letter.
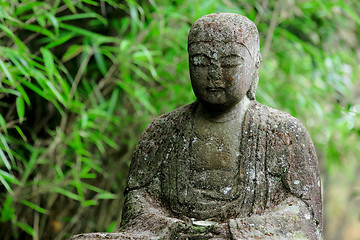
x: 225, y: 166
x: 218, y: 103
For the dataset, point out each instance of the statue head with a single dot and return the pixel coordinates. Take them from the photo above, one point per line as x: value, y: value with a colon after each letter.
x: 224, y: 57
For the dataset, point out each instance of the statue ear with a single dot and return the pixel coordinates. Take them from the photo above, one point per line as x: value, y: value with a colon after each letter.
x: 251, y: 92
x: 255, y: 78
x: 258, y: 61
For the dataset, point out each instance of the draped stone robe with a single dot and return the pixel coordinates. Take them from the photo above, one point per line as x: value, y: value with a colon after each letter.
x: 277, y: 181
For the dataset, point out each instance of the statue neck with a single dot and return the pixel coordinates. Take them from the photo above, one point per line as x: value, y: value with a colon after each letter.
x: 223, y: 115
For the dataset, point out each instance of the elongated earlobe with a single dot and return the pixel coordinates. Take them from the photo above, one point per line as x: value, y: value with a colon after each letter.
x: 258, y: 61
x: 252, y: 90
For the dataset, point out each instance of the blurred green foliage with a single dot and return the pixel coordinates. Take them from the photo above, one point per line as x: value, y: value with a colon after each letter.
x: 80, y: 80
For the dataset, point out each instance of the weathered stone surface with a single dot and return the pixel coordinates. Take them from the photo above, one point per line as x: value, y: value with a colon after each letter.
x: 225, y: 166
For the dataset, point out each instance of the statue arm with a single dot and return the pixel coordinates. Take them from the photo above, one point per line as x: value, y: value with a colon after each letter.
x: 144, y: 212
x: 288, y: 220
x: 302, y: 177
x: 143, y: 218
x: 145, y: 163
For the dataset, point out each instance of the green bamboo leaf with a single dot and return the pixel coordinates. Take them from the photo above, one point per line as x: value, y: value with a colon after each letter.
x: 22, y: 8
x: 4, y: 14
x: 139, y: 72
x: 10, y: 91
x: 23, y: 94
x: 70, y: 5
x: 26, y: 228
x: 5, y: 184
x: 5, y: 160
x: 65, y: 86
x: 106, y: 195
x: 100, y: 61
x: 93, y: 188
x: 7, y: 148
x: 59, y: 172
x: 67, y: 193
x: 88, y: 175
x: 353, y: 14
x: 20, y: 108
x: 41, y: 30
x: 54, y: 22
x: 91, y: 2
x: 84, y: 173
x: 16, y: 40
x: 77, y: 184
x: 34, y: 88
x: 113, y: 100
x: 84, y: 120
x: 91, y: 163
x: 95, y: 36
x: 113, y: 3
x: 111, y: 227
x: 41, y: 20
x: 10, y: 178
x: 66, y: 37
x: 18, y: 129
x: 109, y: 142
x: 19, y: 62
x: 7, y: 211
x: 89, y: 203
x: 3, y: 124
x: 72, y: 52
x: 7, y: 73
x: 35, y: 207
x: 53, y: 89
x: 49, y: 62
x: 83, y: 16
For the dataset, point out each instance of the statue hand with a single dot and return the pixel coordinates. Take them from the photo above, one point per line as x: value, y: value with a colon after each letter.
x: 199, y: 229
x: 178, y: 228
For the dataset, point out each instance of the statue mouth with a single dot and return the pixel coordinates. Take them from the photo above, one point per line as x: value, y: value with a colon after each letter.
x: 215, y: 89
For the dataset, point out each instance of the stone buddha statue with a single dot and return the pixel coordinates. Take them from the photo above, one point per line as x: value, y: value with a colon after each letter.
x: 225, y: 166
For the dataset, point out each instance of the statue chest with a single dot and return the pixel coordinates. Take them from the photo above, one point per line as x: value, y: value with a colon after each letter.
x: 215, y: 160
x: 215, y: 146
x: 215, y: 170
x: 214, y: 153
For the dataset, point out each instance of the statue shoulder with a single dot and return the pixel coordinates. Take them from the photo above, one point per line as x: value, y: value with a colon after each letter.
x: 153, y: 143
x: 286, y: 134
x: 278, y: 121
x: 165, y: 123
x: 284, y: 137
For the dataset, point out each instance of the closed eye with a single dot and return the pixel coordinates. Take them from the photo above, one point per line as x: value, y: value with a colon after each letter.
x: 231, y: 61
x: 200, y: 60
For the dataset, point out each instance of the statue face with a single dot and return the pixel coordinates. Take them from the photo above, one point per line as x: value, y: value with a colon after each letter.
x: 221, y: 73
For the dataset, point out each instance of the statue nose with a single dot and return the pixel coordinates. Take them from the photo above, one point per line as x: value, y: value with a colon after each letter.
x: 215, y: 74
